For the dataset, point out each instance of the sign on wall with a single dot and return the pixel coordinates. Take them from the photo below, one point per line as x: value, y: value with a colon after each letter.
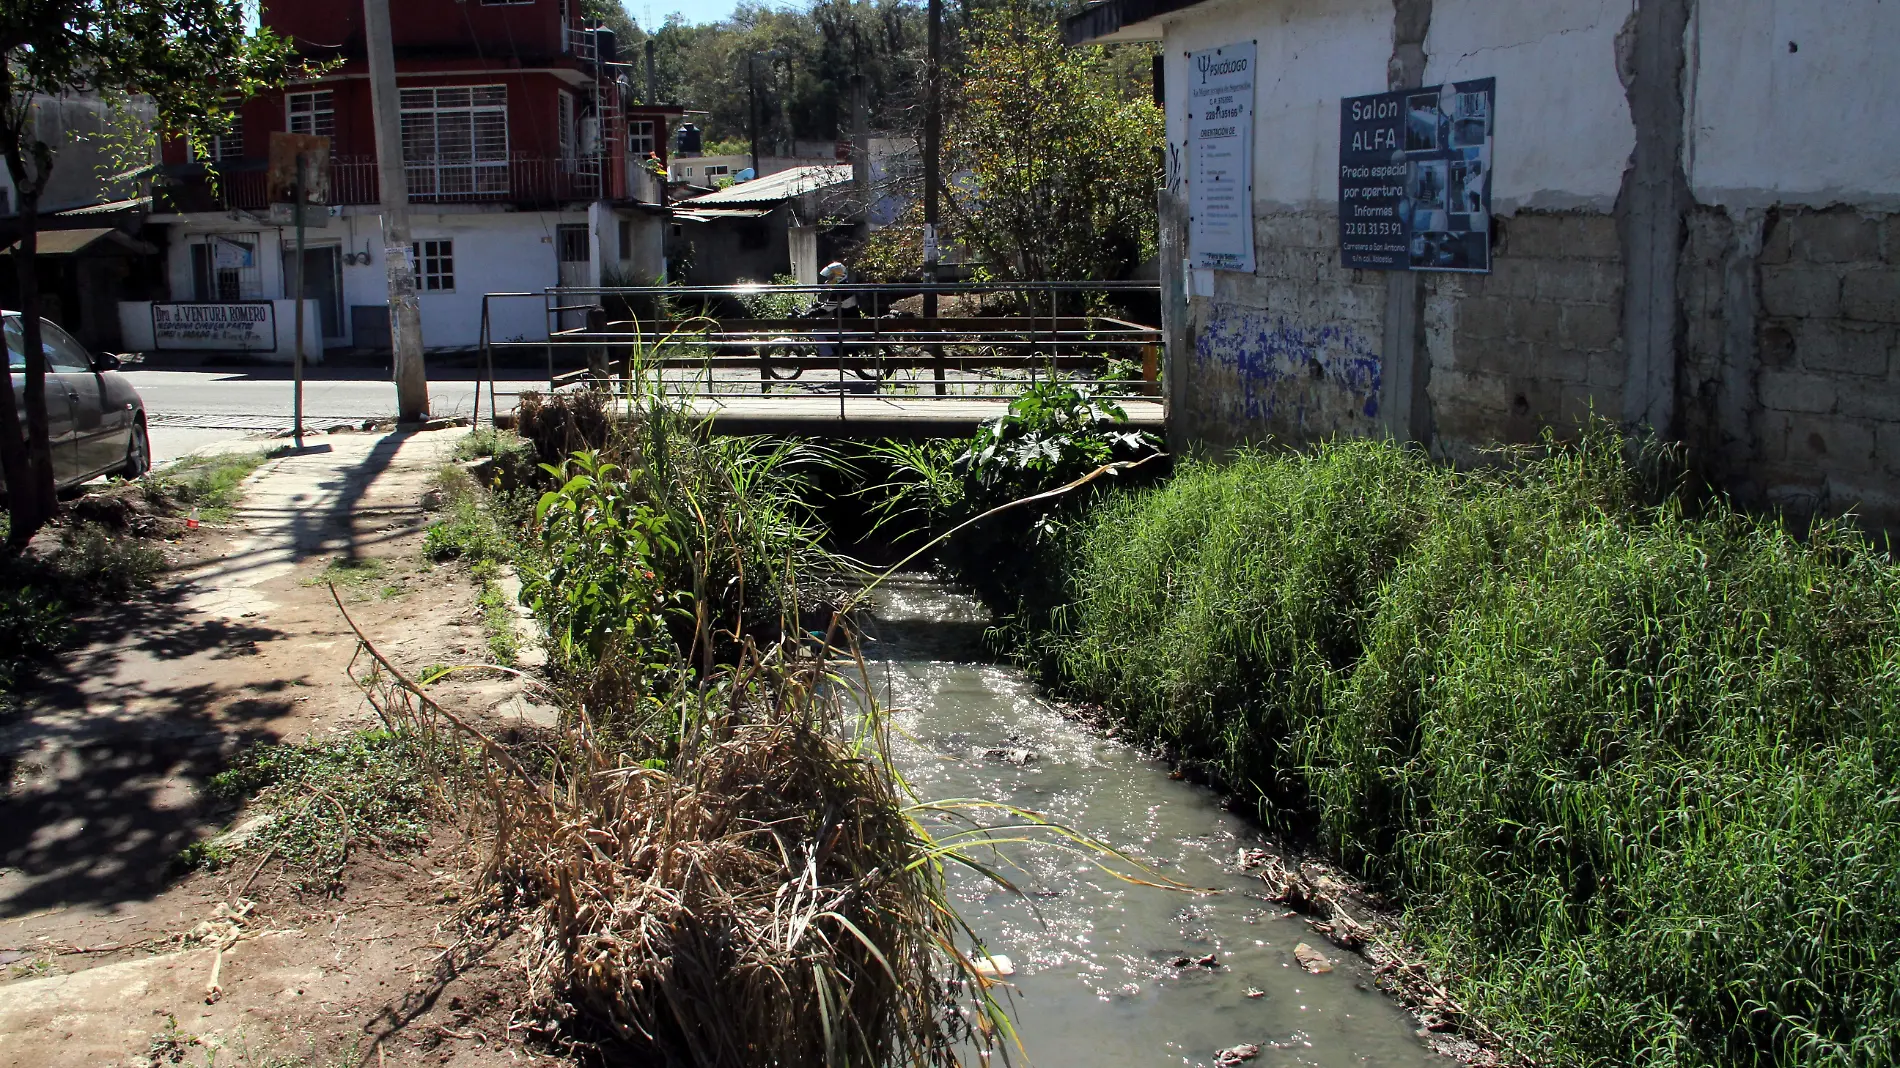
x: 249, y: 326
x: 1415, y: 178
x: 1220, y: 157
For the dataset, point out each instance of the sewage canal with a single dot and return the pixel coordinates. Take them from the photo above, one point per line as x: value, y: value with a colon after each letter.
x: 1096, y: 981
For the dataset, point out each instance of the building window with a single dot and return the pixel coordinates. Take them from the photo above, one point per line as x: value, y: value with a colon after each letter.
x: 716, y: 170
x: 640, y: 138
x: 220, y: 148
x: 311, y: 113
x: 564, y: 126
x: 435, y: 266
x: 574, y: 243
x: 455, y: 140
x: 224, y: 267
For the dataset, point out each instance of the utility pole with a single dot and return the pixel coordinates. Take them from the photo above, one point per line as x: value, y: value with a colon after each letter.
x: 405, y: 315
x: 860, y: 156
x: 297, y: 205
x: 788, y: 145
x: 933, y: 175
x: 933, y: 149
x: 752, y: 105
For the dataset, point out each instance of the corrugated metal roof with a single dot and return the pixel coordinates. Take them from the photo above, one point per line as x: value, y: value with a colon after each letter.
x: 709, y: 214
x: 784, y: 185
x: 65, y: 242
x: 110, y: 207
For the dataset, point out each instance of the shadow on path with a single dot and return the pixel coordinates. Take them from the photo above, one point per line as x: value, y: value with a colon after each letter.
x: 103, y: 769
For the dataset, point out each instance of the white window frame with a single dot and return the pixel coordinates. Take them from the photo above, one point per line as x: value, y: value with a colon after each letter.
x: 455, y: 140
x: 318, y: 117
x: 642, y: 137
x: 564, y: 128
x: 716, y: 170
x: 222, y: 148
x: 435, y: 264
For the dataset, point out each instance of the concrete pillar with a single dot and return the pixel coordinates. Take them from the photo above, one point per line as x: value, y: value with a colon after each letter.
x: 1405, y: 367
x: 1652, y: 208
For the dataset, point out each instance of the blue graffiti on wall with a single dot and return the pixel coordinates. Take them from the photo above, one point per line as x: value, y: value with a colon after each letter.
x: 1325, y: 373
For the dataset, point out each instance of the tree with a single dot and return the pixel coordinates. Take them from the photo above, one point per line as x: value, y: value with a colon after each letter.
x: 193, y: 61
x: 1060, y: 156
x: 1051, y: 152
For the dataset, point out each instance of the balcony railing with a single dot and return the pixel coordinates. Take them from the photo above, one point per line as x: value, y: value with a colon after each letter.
x: 521, y: 180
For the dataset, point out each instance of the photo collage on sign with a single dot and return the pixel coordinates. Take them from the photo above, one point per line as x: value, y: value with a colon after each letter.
x: 1415, y: 178
x: 1448, y: 176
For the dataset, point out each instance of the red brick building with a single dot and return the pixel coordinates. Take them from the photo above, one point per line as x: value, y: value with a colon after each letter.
x: 523, y: 154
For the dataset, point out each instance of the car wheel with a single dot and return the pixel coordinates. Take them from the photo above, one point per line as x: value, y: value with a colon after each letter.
x: 138, y: 452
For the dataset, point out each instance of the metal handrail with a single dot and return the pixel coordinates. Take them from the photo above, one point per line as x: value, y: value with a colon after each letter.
x: 1036, y: 342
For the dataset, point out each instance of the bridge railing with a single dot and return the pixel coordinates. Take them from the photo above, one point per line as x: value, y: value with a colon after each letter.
x: 714, y: 344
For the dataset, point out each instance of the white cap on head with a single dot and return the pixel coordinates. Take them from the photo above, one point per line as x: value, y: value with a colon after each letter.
x: 833, y: 272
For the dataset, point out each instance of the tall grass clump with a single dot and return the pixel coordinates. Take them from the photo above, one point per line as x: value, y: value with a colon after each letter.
x: 1213, y: 612
x: 1628, y: 761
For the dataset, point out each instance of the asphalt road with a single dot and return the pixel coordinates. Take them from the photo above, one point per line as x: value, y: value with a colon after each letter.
x: 190, y: 409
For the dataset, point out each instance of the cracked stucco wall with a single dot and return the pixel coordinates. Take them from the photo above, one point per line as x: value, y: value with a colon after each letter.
x: 1695, y: 232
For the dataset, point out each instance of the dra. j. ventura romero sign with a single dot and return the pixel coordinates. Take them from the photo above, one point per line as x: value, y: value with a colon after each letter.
x: 245, y: 326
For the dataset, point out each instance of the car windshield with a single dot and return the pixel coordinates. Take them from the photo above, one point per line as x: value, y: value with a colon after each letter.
x: 16, y: 344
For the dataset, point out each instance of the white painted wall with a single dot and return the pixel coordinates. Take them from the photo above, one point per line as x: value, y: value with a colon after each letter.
x: 1813, y: 126
x: 1311, y: 54
x: 494, y: 252
x: 1563, y: 139
x: 135, y: 330
x: 1564, y: 134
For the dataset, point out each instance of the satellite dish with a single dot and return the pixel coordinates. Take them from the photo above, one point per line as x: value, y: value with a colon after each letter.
x: 744, y: 176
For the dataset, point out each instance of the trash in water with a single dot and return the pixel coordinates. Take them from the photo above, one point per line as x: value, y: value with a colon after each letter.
x: 1312, y: 959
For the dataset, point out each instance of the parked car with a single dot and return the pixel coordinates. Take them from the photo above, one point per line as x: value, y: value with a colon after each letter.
x: 94, y: 417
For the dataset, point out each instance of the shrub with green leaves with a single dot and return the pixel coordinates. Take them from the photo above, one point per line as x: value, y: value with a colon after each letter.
x: 602, y: 539
x: 1632, y: 766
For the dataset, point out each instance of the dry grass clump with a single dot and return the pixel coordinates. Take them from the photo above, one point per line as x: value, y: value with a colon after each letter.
x: 766, y: 895
x: 758, y: 903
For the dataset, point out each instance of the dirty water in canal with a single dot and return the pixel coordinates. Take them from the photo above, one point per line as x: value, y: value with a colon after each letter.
x: 1095, y: 979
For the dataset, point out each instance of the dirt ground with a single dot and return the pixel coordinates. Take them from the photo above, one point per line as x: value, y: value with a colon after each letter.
x: 106, y: 950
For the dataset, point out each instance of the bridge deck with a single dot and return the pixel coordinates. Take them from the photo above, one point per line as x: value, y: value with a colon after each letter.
x: 875, y: 416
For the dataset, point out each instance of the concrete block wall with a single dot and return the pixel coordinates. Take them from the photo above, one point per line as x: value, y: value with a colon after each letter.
x: 1289, y: 353
x: 1537, y: 343
x: 1823, y: 417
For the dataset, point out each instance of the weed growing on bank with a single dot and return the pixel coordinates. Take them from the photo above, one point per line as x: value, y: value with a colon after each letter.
x: 211, y: 484
x: 312, y: 804
x: 1630, y: 764
x: 711, y: 858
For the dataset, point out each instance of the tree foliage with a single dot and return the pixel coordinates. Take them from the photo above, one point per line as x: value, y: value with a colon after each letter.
x: 1050, y: 153
x: 805, y: 60
x: 189, y: 62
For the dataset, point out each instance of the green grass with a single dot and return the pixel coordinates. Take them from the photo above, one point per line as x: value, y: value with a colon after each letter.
x: 211, y: 484
x: 325, y: 799
x: 469, y: 532
x: 351, y: 573
x: 1634, y: 769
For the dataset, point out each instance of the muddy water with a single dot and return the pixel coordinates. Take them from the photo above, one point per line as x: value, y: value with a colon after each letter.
x: 1095, y: 981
